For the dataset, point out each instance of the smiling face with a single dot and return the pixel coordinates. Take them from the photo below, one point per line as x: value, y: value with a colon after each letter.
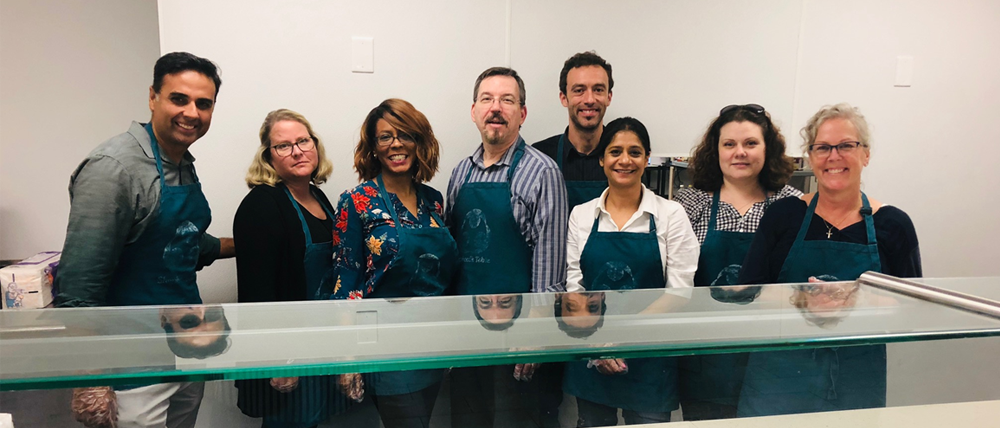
x: 497, y: 111
x: 182, y: 110
x: 196, y: 326
x: 624, y: 160
x: 398, y: 156
x: 587, y: 96
x: 741, y: 151
x: 298, y: 165
x: 836, y: 171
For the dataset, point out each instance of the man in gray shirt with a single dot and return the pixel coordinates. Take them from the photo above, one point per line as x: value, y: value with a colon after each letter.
x: 136, y: 233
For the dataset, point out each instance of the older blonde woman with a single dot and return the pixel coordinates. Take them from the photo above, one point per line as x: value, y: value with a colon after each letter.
x: 284, y: 231
x: 834, y: 234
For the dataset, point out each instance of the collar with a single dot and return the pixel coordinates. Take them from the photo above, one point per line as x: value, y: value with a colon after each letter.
x: 138, y: 131
x: 648, y: 203
x: 569, y: 149
x: 505, y: 160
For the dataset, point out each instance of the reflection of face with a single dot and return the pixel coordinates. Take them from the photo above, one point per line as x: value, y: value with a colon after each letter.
x: 624, y: 160
x: 396, y: 158
x: 581, y: 310
x: 741, y: 150
x: 298, y: 165
x: 204, y: 324
x: 837, y: 171
x: 587, y: 96
x: 182, y: 110
x: 497, y: 309
x: 497, y: 111
x: 824, y: 297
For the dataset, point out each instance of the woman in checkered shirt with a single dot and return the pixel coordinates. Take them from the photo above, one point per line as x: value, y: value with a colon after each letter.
x: 739, y: 168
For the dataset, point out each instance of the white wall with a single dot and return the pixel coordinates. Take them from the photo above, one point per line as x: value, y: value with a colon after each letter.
x: 72, y: 74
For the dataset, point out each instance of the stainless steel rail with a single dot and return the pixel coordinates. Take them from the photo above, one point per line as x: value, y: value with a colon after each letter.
x: 931, y: 293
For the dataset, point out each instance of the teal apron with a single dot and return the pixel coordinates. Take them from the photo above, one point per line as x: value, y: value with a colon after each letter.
x: 159, y: 267
x: 716, y: 378
x: 423, y: 266
x: 495, y: 258
x: 825, y: 379
x: 624, y: 261
x: 578, y: 192
x: 309, y: 403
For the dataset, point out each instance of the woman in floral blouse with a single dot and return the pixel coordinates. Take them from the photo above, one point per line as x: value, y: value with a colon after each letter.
x: 392, y: 242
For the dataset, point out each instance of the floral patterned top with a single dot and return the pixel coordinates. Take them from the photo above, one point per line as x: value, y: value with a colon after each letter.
x: 365, y: 235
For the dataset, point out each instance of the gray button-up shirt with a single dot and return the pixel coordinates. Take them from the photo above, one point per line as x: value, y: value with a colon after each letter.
x: 114, y: 195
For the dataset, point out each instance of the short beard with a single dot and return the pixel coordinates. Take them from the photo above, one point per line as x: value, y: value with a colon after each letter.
x: 580, y: 126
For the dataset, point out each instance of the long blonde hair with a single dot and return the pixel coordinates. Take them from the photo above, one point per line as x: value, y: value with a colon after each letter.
x: 261, y: 171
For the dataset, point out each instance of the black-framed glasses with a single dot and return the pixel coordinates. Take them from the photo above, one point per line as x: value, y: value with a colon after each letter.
x: 304, y: 144
x: 755, y: 108
x: 385, y: 140
x: 824, y: 150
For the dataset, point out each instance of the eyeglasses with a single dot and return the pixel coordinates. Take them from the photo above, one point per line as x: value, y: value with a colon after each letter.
x: 285, y: 149
x: 385, y: 140
x: 824, y: 150
x: 755, y: 108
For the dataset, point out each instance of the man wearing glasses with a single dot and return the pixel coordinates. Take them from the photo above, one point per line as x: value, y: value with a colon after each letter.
x: 137, y: 222
x: 507, y: 211
x: 585, y: 85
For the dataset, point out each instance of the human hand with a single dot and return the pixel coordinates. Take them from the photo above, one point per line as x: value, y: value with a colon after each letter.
x: 610, y: 366
x: 285, y: 385
x: 95, y: 407
x: 353, y: 386
x: 524, y: 372
x: 814, y: 279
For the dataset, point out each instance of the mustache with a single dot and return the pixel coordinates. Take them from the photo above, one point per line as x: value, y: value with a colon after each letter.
x: 496, y: 117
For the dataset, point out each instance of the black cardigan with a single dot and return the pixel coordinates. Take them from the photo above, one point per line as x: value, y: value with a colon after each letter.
x: 270, y: 245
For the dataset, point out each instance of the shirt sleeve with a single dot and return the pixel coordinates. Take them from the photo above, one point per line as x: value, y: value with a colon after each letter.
x: 351, y: 261
x: 902, y: 249
x: 551, y: 216
x: 208, y: 250
x: 682, y: 249
x: 574, y: 249
x: 258, y: 234
x: 103, y: 203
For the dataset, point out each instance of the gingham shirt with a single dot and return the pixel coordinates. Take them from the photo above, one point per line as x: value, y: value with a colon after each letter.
x: 538, y: 199
x: 698, y: 204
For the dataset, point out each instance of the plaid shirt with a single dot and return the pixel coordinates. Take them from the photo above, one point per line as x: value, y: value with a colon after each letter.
x: 698, y: 204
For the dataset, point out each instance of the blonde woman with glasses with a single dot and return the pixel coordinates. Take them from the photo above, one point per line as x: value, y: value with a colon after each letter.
x: 834, y: 234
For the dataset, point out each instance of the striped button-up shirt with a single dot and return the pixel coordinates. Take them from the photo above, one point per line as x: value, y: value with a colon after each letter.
x: 538, y: 199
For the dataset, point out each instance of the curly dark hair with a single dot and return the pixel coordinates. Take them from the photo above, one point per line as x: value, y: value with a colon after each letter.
x: 778, y: 166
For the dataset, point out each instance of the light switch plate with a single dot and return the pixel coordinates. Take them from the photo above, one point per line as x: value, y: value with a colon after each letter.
x: 362, y: 55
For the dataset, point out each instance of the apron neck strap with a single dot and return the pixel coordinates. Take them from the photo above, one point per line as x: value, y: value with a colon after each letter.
x: 560, y: 155
x: 302, y: 217
x: 518, y: 148
x: 866, y: 215
x: 715, y: 210
x: 392, y: 209
x: 156, y: 153
x: 652, y: 224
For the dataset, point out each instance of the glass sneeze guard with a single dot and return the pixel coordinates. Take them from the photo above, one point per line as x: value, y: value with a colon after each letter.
x: 68, y: 347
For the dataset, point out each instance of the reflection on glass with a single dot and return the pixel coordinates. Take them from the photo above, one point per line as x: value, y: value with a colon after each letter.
x: 580, y: 315
x: 737, y: 294
x: 497, y: 312
x: 825, y: 304
x: 196, y: 331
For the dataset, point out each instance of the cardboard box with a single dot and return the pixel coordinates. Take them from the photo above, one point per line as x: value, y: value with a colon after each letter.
x: 29, y: 284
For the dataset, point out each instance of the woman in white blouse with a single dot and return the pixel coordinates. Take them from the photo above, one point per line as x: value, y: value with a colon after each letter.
x: 628, y: 238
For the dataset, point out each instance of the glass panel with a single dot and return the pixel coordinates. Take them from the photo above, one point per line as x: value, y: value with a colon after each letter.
x: 101, y: 346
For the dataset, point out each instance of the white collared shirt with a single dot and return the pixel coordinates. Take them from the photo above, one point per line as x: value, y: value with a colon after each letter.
x: 679, y: 248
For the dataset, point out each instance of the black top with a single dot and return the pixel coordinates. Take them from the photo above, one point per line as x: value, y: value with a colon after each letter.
x: 270, y: 245
x: 576, y: 166
x: 896, y: 238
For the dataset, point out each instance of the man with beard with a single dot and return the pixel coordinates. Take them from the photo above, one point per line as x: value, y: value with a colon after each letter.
x: 585, y: 90
x: 585, y: 85
x: 516, y: 195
